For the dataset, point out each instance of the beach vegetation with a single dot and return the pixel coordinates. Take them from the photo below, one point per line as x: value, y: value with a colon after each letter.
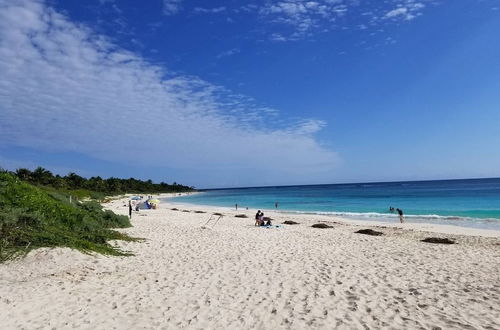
x: 94, y: 187
x: 31, y: 217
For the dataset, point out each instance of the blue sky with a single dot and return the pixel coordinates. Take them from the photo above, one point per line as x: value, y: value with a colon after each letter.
x: 247, y: 93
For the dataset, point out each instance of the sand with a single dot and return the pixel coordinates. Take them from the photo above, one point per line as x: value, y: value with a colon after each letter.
x: 237, y: 276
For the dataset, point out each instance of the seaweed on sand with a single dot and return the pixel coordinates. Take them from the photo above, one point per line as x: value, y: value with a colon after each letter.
x: 438, y: 240
x: 321, y: 225
x: 290, y: 222
x: 370, y: 232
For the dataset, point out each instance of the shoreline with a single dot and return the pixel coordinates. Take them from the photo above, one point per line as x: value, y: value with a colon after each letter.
x: 425, y: 227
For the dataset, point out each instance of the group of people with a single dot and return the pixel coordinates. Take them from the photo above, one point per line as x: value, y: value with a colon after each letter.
x: 260, y: 220
x: 400, y: 213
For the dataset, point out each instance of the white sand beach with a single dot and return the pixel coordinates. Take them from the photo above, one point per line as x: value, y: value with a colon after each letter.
x: 238, y: 276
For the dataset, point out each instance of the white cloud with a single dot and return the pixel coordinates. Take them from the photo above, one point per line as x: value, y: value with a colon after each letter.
x: 210, y: 10
x: 302, y: 15
x: 230, y: 52
x: 172, y: 7
x: 407, y: 10
x: 277, y: 37
x: 397, y: 12
x: 306, y: 17
x: 64, y: 88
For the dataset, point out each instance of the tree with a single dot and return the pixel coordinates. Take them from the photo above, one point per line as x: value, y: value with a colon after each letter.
x: 96, y: 183
x: 23, y: 174
x: 74, y: 180
x: 42, y: 176
x: 113, y: 185
x: 58, y: 182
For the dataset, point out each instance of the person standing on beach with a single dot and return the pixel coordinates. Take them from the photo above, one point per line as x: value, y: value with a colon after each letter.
x: 257, y: 217
x: 401, y: 217
x: 129, y: 209
x: 236, y: 205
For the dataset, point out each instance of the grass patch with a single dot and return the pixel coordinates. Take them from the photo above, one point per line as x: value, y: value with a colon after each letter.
x: 32, y: 217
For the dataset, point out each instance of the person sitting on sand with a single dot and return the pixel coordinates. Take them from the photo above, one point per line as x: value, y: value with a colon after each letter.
x: 261, y: 219
x: 268, y: 222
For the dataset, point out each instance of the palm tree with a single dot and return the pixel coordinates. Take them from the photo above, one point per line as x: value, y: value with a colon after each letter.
x: 74, y: 180
x: 23, y: 174
x: 42, y: 176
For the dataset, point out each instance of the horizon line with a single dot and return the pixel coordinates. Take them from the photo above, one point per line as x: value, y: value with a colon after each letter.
x: 348, y: 183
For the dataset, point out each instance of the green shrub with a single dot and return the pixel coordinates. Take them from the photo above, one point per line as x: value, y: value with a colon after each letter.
x: 31, y: 217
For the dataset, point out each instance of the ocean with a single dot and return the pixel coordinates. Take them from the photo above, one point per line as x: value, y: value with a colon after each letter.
x: 470, y: 203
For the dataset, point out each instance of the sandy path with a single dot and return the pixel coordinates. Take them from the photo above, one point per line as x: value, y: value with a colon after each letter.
x: 237, y: 276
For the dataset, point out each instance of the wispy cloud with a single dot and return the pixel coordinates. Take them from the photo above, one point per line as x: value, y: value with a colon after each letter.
x: 407, y: 10
x: 277, y: 37
x: 209, y: 10
x: 304, y: 18
x: 172, y: 7
x: 227, y: 53
x: 292, y: 20
x: 65, y: 88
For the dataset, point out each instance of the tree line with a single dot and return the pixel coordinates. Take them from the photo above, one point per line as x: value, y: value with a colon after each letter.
x: 72, y: 181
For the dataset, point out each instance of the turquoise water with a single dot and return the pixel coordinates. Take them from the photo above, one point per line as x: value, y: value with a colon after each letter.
x: 470, y: 203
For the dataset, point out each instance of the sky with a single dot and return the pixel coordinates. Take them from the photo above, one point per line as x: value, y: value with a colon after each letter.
x: 251, y: 93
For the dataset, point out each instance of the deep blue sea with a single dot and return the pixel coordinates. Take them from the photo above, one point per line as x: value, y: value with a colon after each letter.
x: 470, y: 203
